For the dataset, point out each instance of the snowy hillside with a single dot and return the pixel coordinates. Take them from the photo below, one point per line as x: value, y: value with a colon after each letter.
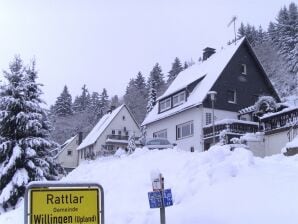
x: 214, y: 187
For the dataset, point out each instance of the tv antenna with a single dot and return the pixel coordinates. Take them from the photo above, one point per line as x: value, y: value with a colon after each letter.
x: 233, y: 20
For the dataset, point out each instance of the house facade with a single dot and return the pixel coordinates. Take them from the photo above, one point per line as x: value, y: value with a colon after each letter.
x: 184, y: 113
x: 67, y: 155
x: 110, y: 133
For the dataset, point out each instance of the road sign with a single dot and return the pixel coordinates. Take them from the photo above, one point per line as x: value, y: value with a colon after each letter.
x: 167, y: 197
x: 155, y: 199
x: 47, y: 203
x: 159, y: 199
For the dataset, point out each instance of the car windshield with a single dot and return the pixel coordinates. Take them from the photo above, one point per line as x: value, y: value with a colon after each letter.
x: 158, y: 142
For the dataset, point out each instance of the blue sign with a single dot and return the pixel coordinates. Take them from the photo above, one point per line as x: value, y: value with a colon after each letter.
x: 159, y: 199
x: 167, y: 198
x: 155, y: 199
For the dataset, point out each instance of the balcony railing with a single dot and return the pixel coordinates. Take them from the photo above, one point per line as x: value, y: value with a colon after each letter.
x: 232, y: 127
x: 281, y: 120
x: 118, y: 137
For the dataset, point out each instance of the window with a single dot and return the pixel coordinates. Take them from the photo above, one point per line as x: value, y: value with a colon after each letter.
x: 231, y: 96
x: 160, y: 134
x: 208, y: 118
x: 165, y: 104
x: 243, y: 69
x: 69, y: 153
x: 123, y: 118
x: 119, y: 132
x: 184, y: 130
x: 178, y: 99
x: 113, y: 132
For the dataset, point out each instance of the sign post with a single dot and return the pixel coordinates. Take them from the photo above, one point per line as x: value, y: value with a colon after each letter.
x: 47, y: 203
x: 160, y: 197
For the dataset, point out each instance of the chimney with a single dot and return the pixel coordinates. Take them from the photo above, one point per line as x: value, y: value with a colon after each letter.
x: 80, y: 137
x: 207, y: 52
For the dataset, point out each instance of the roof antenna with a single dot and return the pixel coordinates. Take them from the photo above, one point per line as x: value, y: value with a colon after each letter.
x: 233, y: 20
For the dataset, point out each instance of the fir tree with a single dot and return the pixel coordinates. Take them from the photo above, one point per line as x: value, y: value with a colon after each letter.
x: 157, y: 76
x: 115, y: 101
x: 82, y: 103
x: 24, y: 134
x: 131, y: 144
x: 151, y: 96
x: 175, y: 70
x: 104, y: 101
x: 63, y: 105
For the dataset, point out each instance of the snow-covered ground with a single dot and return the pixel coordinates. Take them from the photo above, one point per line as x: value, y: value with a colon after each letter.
x: 214, y: 187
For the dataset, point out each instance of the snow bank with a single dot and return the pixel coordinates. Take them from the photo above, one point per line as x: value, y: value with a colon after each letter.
x: 215, y: 187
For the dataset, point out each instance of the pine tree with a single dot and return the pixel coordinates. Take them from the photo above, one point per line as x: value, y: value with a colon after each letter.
x: 115, y: 101
x: 24, y: 134
x: 158, y: 77
x: 63, y: 105
x: 131, y: 144
x: 151, y: 96
x: 104, y: 101
x: 175, y: 70
x: 82, y: 102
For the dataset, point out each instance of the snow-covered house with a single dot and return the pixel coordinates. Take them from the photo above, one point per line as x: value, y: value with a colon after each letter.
x: 67, y: 155
x: 110, y: 133
x: 183, y: 114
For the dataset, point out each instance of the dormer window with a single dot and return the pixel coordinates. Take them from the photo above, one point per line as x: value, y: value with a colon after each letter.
x: 243, y: 69
x: 178, y: 99
x: 165, y: 104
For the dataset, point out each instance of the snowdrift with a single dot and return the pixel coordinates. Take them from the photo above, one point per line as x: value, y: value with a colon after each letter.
x: 217, y: 186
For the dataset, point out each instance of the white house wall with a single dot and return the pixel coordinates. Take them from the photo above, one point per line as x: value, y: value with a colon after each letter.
x: 170, y: 123
x: 219, y: 115
x: 69, y: 161
x: 275, y: 142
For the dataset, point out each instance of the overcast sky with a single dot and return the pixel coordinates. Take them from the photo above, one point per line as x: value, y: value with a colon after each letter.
x: 104, y: 43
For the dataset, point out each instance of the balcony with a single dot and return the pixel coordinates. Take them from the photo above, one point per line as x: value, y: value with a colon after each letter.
x: 279, y: 121
x: 232, y: 126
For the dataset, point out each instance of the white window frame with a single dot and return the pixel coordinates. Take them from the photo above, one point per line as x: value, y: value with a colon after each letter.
x: 160, y: 134
x: 69, y: 152
x: 208, y: 117
x: 181, y: 98
x: 163, y: 104
x: 179, y: 130
x: 244, y: 69
x: 235, y: 97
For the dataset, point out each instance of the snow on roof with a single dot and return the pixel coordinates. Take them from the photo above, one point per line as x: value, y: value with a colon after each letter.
x: 99, y: 128
x: 247, y: 110
x: 63, y: 146
x: 209, y: 70
x: 231, y: 121
x: 268, y: 115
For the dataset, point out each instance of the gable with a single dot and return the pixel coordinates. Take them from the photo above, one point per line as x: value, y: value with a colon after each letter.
x: 247, y: 87
x: 104, y: 123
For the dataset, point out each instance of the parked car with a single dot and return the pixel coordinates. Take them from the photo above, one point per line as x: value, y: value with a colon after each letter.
x: 158, y: 143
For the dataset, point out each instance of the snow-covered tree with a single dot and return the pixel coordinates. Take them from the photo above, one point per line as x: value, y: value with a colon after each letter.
x: 25, y: 148
x: 63, y: 105
x: 104, y: 101
x: 151, y: 96
x: 115, y: 101
x: 175, y: 70
x: 82, y: 102
x: 157, y: 76
x: 135, y: 95
x: 131, y: 144
x: 265, y: 104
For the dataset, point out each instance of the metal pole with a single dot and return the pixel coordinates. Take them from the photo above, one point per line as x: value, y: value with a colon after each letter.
x: 213, y: 127
x: 162, y: 209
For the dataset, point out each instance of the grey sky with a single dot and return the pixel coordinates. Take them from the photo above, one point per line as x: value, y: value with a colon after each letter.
x: 105, y: 43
